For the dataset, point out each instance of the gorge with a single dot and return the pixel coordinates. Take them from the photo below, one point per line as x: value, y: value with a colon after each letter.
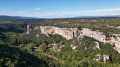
x: 70, y: 33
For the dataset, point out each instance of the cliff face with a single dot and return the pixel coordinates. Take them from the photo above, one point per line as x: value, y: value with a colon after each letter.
x: 102, y: 38
x: 94, y: 34
x: 69, y: 33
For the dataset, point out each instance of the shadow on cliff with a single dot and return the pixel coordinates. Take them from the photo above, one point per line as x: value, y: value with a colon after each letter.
x: 11, y: 56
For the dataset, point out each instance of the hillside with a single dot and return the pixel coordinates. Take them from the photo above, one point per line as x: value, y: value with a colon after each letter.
x: 61, y: 43
x: 7, y: 18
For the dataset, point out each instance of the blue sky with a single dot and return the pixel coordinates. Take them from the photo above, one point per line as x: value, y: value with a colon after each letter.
x: 59, y: 8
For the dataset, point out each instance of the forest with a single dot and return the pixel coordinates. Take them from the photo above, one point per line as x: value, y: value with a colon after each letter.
x: 18, y: 49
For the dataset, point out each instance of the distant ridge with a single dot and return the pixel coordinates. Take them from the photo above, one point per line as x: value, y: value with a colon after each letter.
x: 115, y: 16
x: 6, y: 18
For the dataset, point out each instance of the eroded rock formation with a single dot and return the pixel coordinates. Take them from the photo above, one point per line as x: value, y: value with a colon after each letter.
x: 98, y: 56
x: 69, y: 33
x: 97, y: 46
x: 101, y: 37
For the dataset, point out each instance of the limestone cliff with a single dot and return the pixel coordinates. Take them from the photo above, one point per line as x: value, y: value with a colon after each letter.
x: 102, y: 38
x: 69, y: 33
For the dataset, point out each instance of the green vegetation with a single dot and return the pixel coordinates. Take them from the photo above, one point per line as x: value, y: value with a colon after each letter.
x: 108, y: 26
x: 17, y: 49
x: 11, y: 22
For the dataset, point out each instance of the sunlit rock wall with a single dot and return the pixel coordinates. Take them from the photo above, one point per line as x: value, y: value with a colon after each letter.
x: 70, y: 33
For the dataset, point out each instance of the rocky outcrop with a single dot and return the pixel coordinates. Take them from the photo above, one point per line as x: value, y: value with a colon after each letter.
x: 102, y: 38
x: 97, y: 46
x: 73, y: 47
x: 70, y: 33
x: 94, y: 34
x: 67, y: 33
x: 105, y: 58
x: 98, y: 57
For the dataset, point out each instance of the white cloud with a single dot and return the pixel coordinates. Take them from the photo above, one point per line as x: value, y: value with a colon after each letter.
x: 99, y: 12
x: 56, y: 15
x: 51, y: 13
x: 37, y: 9
x: 22, y: 12
x: 103, y: 10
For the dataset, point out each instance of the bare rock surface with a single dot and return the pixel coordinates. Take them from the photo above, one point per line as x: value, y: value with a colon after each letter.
x: 97, y: 46
x: 101, y: 37
x: 70, y: 33
x: 105, y: 57
x: 67, y: 33
x: 98, y: 57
